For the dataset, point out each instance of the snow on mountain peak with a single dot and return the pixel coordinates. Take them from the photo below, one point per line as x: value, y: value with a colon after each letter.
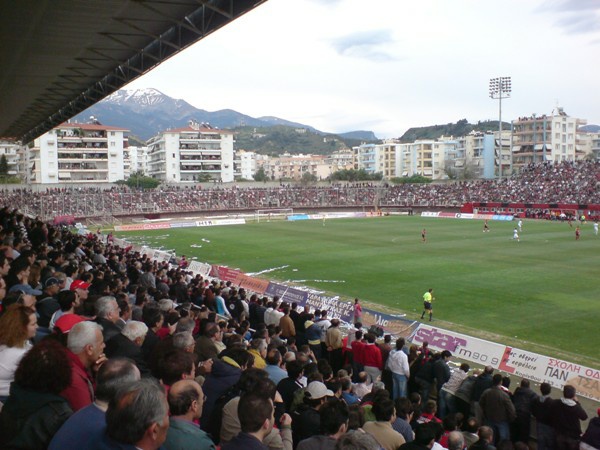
x: 148, y: 96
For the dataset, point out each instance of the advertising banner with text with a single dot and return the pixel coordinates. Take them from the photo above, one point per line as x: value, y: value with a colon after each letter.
x: 200, y: 268
x: 521, y: 363
x: 286, y: 293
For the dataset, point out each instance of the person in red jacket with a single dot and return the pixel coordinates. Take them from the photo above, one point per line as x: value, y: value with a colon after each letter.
x: 372, y: 359
x: 85, y: 349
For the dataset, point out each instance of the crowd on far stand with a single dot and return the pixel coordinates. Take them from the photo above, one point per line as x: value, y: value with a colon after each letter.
x: 565, y: 182
x: 103, y: 348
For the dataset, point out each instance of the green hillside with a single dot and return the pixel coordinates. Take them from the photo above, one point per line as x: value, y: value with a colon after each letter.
x: 281, y: 139
x: 460, y: 128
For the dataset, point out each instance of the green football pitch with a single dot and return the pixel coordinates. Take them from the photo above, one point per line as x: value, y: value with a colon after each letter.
x: 541, y: 293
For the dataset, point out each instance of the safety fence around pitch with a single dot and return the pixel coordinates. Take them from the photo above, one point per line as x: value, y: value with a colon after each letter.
x: 512, y: 360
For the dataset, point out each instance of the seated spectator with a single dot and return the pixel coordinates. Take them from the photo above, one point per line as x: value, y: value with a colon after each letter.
x: 357, y: 440
x: 404, y: 415
x: 18, y: 326
x: 486, y: 438
x: 363, y: 387
x: 128, y: 344
x: 381, y: 429
x: 185, y: 405
x: 85, y: 351
x: 256, y: 414
x: 88, y: 424
x: 424, y: 439
x: 107, y: 315
x: 306, y: 421
x: 35, y: 411
x: 274, y: 366
x: 333, y: 424
x: 137, y: 416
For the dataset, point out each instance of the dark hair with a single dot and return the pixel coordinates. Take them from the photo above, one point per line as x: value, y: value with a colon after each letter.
x: 112, y: 375
x: 250, y: 378
x: 383, y: 409
x: 569, y: 391
x: 333, y: 415
x: 134, y: 409
x: 174, y: 364
x: 294, y: 369
x: 180, y: 403
x: 47, y: 357
x: 151, y: 315
x: 424, y: 434
x: 66, y: 299
x: 253, y: 410
x: 400, y: 343
x: 497, y: 379
x: 403, y: 407
x: 545, y: 388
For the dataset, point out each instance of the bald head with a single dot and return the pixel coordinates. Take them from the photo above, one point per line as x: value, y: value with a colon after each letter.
x: 186, y: 399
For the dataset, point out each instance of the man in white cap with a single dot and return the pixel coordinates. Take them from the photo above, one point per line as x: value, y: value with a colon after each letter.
x: 307, y: 422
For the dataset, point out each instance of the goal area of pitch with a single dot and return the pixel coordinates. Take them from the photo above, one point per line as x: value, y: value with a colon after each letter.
x: 272, y: 214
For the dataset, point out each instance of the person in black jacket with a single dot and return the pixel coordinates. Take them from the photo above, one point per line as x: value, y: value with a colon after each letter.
x: 523, y: 399
x: 34, y: 410
x: 441, y: 371
x: 566, y: 415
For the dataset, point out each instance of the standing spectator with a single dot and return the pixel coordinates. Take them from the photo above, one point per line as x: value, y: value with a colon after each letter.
x: 357, y: 313
x: 371, y: 358
x: 398, y: 364
x: 566, y: 415
x: 483, y: 382
x: 333, y: 341
x: 498, y: 410
x: 447, y: 399
x: 543, y: 420
x: 34, y: 410
x: 288, y: 329
x: 523, y: 399
x: 441, y: 371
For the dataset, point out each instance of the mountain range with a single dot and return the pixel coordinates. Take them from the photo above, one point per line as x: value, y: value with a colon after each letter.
x: 146, y: 112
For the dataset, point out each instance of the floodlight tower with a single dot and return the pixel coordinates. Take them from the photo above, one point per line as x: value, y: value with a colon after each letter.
x: 500, y: 88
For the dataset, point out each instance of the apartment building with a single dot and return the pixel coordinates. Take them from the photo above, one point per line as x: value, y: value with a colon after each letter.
x: 553, y: 137
x: 10, y: 150
x: 191, y: 154
x: 294, y: 167
x: 244, y: 164
x: 76, y: 153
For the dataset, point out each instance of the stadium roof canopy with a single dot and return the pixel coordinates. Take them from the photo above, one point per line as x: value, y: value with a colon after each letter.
x: 58, y: 57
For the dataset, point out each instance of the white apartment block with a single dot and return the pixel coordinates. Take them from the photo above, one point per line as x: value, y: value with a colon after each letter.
x: 76, y: 153
x: 547, y: 138
x: 136, y: 160
x: 340, y: 160
x: 293, y: 167
x: 245, y: 165
x: 367, y: 157
x: 191, y: 154
x: 10, y: 150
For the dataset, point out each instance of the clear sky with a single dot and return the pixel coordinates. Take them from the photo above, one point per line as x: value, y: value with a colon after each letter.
x: 388, y: 65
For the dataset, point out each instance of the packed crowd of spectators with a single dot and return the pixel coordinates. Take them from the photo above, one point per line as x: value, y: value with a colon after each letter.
x: 566, y: 182
x: 102, y: 348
